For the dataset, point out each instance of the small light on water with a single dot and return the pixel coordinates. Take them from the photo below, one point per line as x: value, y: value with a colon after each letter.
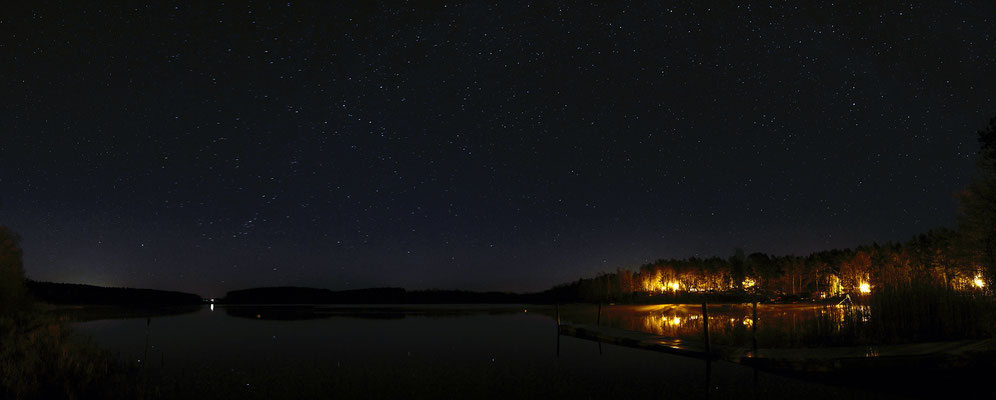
x: 865, y: 288
x: 212, y: 306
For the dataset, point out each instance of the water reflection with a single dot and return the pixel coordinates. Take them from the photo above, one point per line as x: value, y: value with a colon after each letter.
x: 496, y: 352
x: 309, y: 312
x: 101, y: 312
x: 778, y: 325
x: 301, y: 313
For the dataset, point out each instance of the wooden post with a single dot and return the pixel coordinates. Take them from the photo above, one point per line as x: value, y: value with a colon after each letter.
x: 753, y: 328
x: 705, y: 327
x: 756, y: 386
x: 558, y: 341
x: 145, y: 357
x: 598, y: 322
x: 708, y: 377
x: 558, y: 329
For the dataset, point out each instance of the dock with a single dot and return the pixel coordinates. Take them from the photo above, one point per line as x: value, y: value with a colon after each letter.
x: 641, y: 340
x: 933, y: 355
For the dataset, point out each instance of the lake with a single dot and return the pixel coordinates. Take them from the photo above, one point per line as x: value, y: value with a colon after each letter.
x: 778, y: 325
x: 417, y: 352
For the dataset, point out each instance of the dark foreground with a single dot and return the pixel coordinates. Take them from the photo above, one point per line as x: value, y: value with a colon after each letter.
x: 438, y: 351
x: 418, y: 352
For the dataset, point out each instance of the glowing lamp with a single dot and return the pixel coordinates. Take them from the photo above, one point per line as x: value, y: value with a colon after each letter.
x: 865, y: 288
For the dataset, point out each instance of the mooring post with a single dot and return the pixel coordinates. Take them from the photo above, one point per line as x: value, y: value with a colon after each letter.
x: 757, y: 388
x: 705, y: 327
x: 708, y: 377
x: 145, y: 358
x: 753, y: 329
x: 558, y: 342
x: 558, y: 329
x: 598, y: 322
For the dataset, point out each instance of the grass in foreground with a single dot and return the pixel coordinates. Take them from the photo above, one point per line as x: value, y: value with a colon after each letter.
x: 42, y: 359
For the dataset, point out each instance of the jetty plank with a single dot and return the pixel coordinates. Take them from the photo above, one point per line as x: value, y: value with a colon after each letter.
x: 952, y: 354
x: 636, y: 339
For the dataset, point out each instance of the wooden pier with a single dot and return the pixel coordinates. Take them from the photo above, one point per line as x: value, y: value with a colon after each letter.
x: 638, y: 340
x: 935, y: 355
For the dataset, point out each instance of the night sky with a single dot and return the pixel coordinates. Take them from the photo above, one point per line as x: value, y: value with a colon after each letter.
x: 481, y: 146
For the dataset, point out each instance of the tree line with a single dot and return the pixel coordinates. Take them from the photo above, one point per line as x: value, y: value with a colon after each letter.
x: 939, y: 257
x: 961, y: 260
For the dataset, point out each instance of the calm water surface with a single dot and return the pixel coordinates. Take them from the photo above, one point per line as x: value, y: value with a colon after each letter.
x: 778, y: 325
x: 421, y: 352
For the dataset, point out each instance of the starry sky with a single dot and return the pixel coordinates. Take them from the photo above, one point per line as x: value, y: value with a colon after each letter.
x: 484, y: 146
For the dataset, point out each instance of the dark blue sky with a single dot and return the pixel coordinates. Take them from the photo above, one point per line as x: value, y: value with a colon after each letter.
x: 473, y: 145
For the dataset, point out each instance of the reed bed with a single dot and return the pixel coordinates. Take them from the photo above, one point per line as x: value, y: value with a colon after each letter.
x: 40, y: 358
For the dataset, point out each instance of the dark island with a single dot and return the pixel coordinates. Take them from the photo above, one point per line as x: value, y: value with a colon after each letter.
x: 72, y: 293
x: 304, y: 295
